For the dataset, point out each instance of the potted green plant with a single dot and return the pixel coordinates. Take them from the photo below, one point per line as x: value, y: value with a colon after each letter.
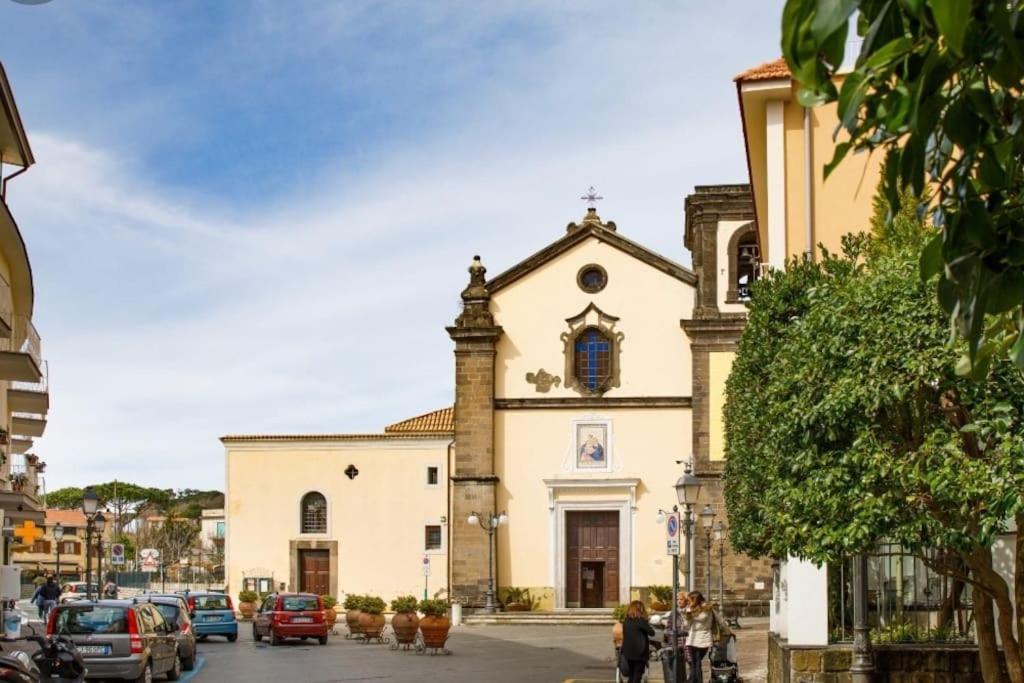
x: 247, y: 603
x: 435, y: 623
x: 371, y: 621
x: 406, y: 622
x: 619, y: 614
x: 330, y: 616
x: 518, y: 599
x: 353, y: 604
x: 661, y: 596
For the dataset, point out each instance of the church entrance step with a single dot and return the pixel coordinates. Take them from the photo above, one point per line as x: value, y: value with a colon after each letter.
x: 569, y: 617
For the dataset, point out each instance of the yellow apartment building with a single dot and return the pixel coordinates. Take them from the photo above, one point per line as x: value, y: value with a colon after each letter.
x: 24, y: 391
x: 42, y: 556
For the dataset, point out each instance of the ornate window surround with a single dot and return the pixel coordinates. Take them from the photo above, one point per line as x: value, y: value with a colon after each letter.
x: 587, y: 268
x: 732, y: 295
x: 591, y: 316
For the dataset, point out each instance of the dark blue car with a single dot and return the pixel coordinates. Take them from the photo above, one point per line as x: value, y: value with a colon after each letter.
x: 214, y: 615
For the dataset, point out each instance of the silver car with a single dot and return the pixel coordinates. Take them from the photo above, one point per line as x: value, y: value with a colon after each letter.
x: 120, y: 639
x: 176, y: 612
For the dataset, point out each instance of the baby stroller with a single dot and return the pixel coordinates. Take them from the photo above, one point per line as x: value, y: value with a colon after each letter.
x: 724, y: 667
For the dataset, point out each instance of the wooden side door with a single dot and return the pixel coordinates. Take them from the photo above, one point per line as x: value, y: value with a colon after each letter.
x: 592, y: 541
x: 315, y: 572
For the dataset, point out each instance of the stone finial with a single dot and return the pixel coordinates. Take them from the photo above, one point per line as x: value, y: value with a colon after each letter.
x: 591, y: 219
x: 476, y: 299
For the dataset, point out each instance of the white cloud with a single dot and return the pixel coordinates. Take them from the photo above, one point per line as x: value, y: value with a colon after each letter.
x: 171, y: 318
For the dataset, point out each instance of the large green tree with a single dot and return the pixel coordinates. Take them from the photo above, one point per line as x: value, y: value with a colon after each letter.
x: 937, y: 88
x: 124, y: 500
x: 847, y: 425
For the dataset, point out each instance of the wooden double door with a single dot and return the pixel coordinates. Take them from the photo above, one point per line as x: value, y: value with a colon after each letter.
x: 592, y: 558
x: 315, y: 571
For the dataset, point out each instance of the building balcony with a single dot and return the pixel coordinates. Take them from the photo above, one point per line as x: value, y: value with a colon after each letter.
x: 21, y: 353
x: 30, y: 397
x: 20, y: 445
x: 19, y: 496
x: 27, y: 424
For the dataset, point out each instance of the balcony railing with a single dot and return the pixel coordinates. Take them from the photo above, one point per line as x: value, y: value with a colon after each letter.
x: 40, y: 387
x: 26, y: 339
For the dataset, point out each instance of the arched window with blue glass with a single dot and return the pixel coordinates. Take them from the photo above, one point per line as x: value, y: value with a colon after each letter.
x: 593, y: 360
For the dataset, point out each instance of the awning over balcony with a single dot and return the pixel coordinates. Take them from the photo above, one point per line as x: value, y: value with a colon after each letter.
x: 28, y: 425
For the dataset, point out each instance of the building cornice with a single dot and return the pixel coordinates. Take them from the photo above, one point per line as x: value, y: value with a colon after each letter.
x: 581, y: 402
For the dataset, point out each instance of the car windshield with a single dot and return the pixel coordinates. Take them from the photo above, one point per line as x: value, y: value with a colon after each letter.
x: 94, y: 619
x: 170, y: 612
x: 300, y: 603
x: 211, y: 602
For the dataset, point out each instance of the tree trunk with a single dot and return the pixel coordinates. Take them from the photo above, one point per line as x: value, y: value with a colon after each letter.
x: 1018, y: 574
x: 994, y: 584
x: 985, y: 625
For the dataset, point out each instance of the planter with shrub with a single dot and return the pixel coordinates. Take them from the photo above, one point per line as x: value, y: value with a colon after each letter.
x: 353, y: 604
x: 518, y: 599
x: 435, y: 623
x: 247, y: 603
x: 661, y: 596
x: 406, y: 622
x: 371, y: 620
x: 330, y: 615
x: 619, y: 614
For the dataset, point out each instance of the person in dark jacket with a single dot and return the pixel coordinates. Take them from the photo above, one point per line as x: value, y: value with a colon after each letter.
x: 636, y: 640
x: 49, y: 593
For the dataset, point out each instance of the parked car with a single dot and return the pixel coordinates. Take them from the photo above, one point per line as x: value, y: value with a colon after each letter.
x: 119, y: 639
x: 76, y: 590
x: 213, y: 614
x: 176, y: 612
x: 290, y: 615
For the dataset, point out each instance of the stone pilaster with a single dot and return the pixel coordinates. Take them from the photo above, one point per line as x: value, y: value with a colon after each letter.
x: 473, y: 479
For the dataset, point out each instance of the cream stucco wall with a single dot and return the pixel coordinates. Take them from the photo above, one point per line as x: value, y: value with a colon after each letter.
x: 655, y: 357
x: 378, y: 518
x: 535, y: 457
x: 719, y: 366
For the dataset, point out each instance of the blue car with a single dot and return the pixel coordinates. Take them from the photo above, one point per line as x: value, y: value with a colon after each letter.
x: 213, y: 615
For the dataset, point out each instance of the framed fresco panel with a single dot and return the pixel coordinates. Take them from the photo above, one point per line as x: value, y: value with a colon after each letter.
x: 592, y: 445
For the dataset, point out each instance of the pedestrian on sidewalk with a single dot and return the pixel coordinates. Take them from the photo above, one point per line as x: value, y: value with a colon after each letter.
x: 636, y: 640
x: 705, y: 628
x: 675, y: 636
x: 49, y: 594
x: 37, y: 599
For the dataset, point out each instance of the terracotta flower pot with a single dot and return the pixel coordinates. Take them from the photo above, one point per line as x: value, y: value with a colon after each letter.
x: 517, y: 607
x: 247, y: 609
x: 617, y: 634
x: 435, y: 630
x: 330, y: 616
x: 405, y: 625
x: 659, y: 606
x: 370, y: 625
x: 352, y: 621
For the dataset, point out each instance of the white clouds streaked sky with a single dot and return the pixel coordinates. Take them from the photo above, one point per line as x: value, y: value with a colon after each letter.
x: 243, y: 213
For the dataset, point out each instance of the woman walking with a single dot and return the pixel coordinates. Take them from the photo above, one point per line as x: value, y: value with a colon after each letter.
x: 636, y: 640
x: 675, y: 636
x: 705, y: 629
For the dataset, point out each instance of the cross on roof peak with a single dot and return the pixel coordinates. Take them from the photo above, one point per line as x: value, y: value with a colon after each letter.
x: 591, y: 197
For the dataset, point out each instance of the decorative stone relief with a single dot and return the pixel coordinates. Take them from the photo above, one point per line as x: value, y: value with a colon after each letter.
x: 543, y: 380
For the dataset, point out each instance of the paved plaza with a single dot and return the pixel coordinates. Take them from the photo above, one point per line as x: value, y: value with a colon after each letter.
x: 502, y: 654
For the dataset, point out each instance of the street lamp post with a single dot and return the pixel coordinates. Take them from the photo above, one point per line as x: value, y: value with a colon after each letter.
x: 94, y: 523
x: 687, y: 492
x: 58, y: 536
x: 720, y: 539
x: 490, y: 526
x: 707, y: 520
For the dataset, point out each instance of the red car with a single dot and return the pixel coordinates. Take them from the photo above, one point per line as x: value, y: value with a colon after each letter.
x: 290, y: 615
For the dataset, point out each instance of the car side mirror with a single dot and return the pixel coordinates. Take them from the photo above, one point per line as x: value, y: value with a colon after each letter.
x: 191, y: 615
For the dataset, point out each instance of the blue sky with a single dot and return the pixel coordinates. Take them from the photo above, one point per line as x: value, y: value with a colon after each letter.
x: 243, y: 212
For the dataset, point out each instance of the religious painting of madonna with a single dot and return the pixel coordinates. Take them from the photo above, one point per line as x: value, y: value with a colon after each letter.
x: 592, y: 445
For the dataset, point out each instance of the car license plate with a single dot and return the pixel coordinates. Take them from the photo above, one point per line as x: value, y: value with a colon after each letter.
x: 94, y: 650
x: 212, y: 617
x: 302, y: 620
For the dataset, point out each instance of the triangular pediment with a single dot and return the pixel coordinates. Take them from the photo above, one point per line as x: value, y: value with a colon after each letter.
x: 578, y: 234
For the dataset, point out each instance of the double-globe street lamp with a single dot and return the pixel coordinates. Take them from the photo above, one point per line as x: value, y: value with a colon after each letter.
x: 491, y: 525
x: 95, y: 522
x: 687, y: 493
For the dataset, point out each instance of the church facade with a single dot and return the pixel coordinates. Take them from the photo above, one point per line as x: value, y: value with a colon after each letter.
x: 584, y: 376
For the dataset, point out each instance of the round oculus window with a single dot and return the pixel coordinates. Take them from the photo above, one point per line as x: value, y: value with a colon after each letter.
x: 592, y: 278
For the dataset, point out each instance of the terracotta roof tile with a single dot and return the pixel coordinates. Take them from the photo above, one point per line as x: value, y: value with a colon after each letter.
x: 765, y: 72
x: 437, y: 422
x: 75, y: 518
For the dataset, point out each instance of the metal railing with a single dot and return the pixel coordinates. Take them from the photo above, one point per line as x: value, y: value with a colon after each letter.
x: 26, y: 339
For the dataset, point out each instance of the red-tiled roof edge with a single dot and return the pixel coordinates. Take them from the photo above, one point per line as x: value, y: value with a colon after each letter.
x: 766, y: 72
x: 333, y: 437
x: 436, y: 421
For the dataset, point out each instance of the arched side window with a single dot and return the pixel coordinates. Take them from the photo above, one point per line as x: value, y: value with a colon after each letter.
x: 744, y: 264
x: 314, y: 513
x: 593, y: 360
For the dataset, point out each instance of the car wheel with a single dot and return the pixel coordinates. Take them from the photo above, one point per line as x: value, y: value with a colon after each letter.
x: 147, y: 674
x: 232, y: 637
x: 255, y: 635
x: 201, y: 639
x: 322, y: 640
x: 189, y: 663
x: 175, y: 671
x: 275, y: 639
